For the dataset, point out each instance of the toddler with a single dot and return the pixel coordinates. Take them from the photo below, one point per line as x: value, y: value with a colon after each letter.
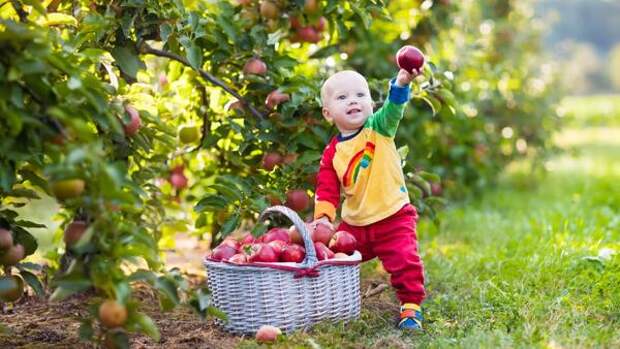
x: 363, y: 162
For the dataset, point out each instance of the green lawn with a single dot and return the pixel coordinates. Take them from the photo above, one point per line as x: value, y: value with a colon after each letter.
x: 522, y: 266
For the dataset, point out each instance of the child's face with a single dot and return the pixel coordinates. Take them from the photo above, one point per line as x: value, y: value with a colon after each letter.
x: 346, y: 101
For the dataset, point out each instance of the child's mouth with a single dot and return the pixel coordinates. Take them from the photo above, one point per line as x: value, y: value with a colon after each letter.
x: 354, y: 110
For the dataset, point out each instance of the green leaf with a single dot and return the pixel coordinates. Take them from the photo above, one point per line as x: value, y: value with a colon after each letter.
x: 29, y: 224
x: 201, y: 221
x: 55, y: 18
x: 211, y: 202
x: 168, y: 290
x: 148, y: 325
x: 33, y: 282
x: 68, y: 287
x: 128, y: 60
x: 364, y: 16
x: 213, y: 311
x: 194, y: 55
x: 431, y: 177
x: 122, y: 291
x: 26, y: 239
x: 230, y: 225
x: 143, y: 275
x: 231, y: 193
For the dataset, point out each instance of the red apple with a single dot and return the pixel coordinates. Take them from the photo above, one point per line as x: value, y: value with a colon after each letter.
x: 132, y: 127
x: 239, y: 258
x: 270, y: 160
x: 276, y: 234
x: 255, y: 66
x: 223, y: 252
x: 247, y: 239
x: 343, y: 242
x: 311, y: 6
x: 293, y: 253
x: 322, y: 251
x: 262, y: 252
x: 267, y: 334
x: 297, y: 199
x: 274, y: 98
x: 322, y: 233
x: 178, y: 180
x: 6, y: 239
x: 295, y: 236
x: 308, y: 34
x: 278, y: 246
x: 269, y: 10
x: 410, y: 58
x: 232, y: 242
x: 74, y: 232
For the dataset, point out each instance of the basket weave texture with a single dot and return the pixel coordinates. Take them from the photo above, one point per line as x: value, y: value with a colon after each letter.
x: 286, y: 295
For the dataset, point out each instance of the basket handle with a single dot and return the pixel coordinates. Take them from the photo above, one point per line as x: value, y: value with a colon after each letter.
x: 310, y: 259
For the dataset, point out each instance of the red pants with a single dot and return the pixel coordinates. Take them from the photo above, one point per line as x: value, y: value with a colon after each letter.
x: 394, y: 241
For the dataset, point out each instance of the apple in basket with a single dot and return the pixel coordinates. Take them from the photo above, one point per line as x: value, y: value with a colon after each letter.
x: 230, y: 241
x: 247, y: 239
x: 278, y: 246
x: 239, y: 258
x: 262, y: 252
x: 343, y: 242
x: 322, y: 233
x: 322, y: 251
x: 267, y: 334
x: 293, y: 253
x: 295, y: 236
x: 276, y: 234
x: 223, y: 252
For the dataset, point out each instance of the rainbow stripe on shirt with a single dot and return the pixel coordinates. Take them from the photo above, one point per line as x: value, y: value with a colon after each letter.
x: 360, y: 161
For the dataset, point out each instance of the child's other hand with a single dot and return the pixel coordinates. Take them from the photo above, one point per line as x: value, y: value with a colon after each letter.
x: 404, y: 78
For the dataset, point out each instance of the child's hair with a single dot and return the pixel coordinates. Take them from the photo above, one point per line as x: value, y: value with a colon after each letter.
x: 325, y: 88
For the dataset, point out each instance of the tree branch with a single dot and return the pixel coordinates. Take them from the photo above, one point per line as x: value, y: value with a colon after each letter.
x: 144, y: 48
x: 23, y: 16
x: 206, y: 125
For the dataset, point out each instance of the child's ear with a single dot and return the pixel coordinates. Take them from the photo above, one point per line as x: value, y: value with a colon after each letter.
x: 327, y: 116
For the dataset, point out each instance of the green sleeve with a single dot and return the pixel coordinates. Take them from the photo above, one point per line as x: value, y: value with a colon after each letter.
x: 386, y: 119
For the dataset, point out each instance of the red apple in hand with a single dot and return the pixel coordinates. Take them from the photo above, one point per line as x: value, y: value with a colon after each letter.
x: 410, y: 58
x: 262, y: 252
x: 322, y: 252
x: 276, y: 234
x: 223, y: 252
x: 322, y: 233
x: 293, y: 253
x: 343, y: 242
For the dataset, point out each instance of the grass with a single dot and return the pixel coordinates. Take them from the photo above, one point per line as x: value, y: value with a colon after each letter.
x: 531, y: 263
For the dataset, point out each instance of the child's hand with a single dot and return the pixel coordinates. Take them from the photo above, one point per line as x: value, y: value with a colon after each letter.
x: 404, y: 78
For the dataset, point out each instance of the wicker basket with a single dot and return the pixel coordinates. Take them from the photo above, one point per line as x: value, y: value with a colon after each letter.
x: 290, y: 296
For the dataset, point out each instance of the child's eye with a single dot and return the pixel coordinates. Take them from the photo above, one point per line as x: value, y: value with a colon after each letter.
x: 342, y: 97
x: 360, y: 94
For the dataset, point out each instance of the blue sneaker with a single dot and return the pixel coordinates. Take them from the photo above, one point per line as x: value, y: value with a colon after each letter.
x: 410, y: 317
